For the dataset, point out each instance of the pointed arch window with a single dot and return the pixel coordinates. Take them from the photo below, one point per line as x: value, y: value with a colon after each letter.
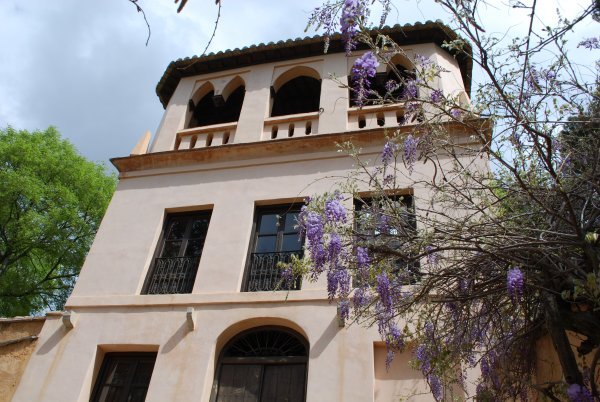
x: 299, y: 95
x: 379, y: 83
x: 262, y: 364
x: 214, y: 109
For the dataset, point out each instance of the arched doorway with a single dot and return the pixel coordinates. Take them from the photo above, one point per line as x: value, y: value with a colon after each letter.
x: 264, y: 364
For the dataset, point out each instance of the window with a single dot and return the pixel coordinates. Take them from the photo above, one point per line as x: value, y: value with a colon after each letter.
x: 178, y: 254
x: 298, y: 95
x: 124, y: 377
x: 387, y: 221
x: 276, y: 239
x: 263, y: 364
x: 380, y: 82
x: 214, y: 109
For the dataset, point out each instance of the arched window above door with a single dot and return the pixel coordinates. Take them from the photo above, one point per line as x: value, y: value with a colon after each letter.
x: 262, y: 364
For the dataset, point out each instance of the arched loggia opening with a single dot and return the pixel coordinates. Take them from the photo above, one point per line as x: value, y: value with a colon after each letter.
x: 296, y: 91
x: 216, y: 109
x: 395, y: 79
x: 262, y: 364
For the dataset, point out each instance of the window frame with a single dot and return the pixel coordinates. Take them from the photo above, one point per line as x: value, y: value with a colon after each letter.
x: 262, y: 361
x: 160, y: 246
x: 260, y: 210
x: 108, y: 359
x: 408, y: 200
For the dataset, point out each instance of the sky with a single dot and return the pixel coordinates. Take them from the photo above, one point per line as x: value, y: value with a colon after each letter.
x: 83, y: 65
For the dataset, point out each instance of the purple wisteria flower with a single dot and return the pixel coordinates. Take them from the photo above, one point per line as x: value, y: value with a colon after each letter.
x: 335, y: 212
x: 436, y: 96
x: 423, y: 61
x: 323, y: 17
x: 389, y: 152
x: 422, y: 356
x: 385, y: 4
x: 391, y: 85
x: 360, y: 298
x: 456, y: 113
x: 335, y: 247
x: 338, y: 279
x: 549, y: 75
x: 432, y: 257
x: 579, y: 393
x: 590, y: 43
x: 411, y: 90
x: 410, y: 151
x: 384, y: 291
x: 436, y: 386
x: 362, y: 258
x: 514, y: 282
x: 352, y: 10
x: 365, y: 67
x: 344, y: 309
x: 312, y: 226
x: 287, y: 277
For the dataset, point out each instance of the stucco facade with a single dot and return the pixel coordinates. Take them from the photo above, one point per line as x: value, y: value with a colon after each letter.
x: 232, y: 170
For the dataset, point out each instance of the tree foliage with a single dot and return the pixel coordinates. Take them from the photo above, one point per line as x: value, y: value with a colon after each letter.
x: 51, y: 202
x: 505, y: 232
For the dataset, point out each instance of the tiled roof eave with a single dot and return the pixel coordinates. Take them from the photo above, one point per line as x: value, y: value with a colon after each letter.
x: 429, y: 32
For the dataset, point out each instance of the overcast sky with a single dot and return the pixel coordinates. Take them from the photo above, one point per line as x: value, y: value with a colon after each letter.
x: 82, y: 65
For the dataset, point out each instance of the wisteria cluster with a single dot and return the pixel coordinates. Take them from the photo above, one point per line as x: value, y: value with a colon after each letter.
x: 579, y: 393
x: 364, y: 68
x: 352, y: 11
x: 410, y: 151
x: 514, y: 283
x: 424, y: 353
x: 590, y: 43
x: 436, y: 96
x: 389, y: 152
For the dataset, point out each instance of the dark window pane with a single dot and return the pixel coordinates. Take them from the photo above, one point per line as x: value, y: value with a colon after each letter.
x: 291, y: 242
x: 174, y: 269
x: 199, y: 228
x: 177, y: 229
x: 171, y: 248
x: 239, y: 382
x: 124, y: 377
x: 265, y: 244
x: 118, y: 373
x: 137, y: 395
x: 291, y: 219
x: 143, y: 373
x: 194, y: 248
x: 268, y: 224
x: 109, y: 394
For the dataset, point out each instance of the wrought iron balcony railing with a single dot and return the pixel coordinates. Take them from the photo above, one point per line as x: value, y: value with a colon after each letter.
x: 264, y: 273
x: 173, y: 275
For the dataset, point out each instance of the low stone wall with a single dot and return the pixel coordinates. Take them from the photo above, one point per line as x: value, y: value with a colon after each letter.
x: 18, y: 337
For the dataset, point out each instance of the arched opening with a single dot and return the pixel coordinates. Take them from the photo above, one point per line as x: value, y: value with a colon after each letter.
x: 393, y: 80
x: 266, y: 363
x: 211, y: 109
x: 298, y: 90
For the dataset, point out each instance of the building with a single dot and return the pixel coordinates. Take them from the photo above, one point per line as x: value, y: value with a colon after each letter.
x: 177, y: 299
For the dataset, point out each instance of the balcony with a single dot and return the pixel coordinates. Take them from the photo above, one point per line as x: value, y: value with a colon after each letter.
x: 173, y: 275
x: 265, y: 275
x: 207, y: 136
x: 295, y: 125
x: 369, y: 117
